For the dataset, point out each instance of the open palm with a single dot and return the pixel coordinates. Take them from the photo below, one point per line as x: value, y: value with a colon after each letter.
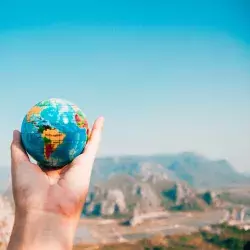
x: 60, y: 191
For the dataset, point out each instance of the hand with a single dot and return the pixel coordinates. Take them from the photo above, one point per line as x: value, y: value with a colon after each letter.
x: 48, y: 204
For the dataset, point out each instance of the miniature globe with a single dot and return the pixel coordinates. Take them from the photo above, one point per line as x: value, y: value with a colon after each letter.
x: 54, y: 132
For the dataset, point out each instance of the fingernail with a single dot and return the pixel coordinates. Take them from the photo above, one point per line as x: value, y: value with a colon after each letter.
x: 15, y: 135
x: 101, y: 121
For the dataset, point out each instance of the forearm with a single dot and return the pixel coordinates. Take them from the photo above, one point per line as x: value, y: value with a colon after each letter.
x: 41, y: 231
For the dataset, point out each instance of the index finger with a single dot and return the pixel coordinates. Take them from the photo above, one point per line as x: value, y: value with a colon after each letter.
x: 78, y: 174
x: 93, y: 143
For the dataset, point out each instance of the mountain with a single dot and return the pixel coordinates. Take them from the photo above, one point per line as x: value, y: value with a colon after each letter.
x: 196, y: 170
x: 132, y: 185
x: 201, y: 172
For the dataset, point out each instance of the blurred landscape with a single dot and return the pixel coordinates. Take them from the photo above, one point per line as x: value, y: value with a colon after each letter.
x: 175, y: 201
x: 172, y: 80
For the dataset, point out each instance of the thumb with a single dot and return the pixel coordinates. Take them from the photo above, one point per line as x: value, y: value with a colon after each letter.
x: 18, y: 154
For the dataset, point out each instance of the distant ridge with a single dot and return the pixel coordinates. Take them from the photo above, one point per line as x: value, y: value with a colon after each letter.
x: 197, y: 170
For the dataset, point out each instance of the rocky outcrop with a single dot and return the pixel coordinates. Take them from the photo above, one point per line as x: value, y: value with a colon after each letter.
x: 146, y: 198
x: 183, y: 194
x: 181, y: 197
x: 212, y: 199
x: 238, y: 214
x: 106, y: 202
x: 134, y: 196
x: 123, y: 195
x: 235, y: 214
x: 140, y: 199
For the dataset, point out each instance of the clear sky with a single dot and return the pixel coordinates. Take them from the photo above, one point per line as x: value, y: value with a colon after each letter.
x: 168, y: 76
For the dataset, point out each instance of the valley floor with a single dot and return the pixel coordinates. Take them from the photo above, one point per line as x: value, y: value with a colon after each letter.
x: 214, y: 237
x: 101, y: 231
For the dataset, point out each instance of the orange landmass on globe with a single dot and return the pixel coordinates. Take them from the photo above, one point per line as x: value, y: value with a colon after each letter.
x: 33, y: 111
x: 79, y: 118
x: 81, y: 122
x: 52, y: 139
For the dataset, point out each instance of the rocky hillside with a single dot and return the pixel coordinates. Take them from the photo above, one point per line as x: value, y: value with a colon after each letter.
x: 124, y: 195
x: 134, y: 185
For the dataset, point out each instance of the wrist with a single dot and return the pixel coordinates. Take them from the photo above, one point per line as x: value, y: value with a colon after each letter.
x: 42, y: 230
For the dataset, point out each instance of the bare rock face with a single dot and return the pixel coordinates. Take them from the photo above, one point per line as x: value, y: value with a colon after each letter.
x: 147, y: 199
x: 106, y: 202
x: 139, y: 199
x: 180, y: 193
x: 238, y: 214
x: 114, y: 203
x: 183, y: 198
x: 122, y: 196
x: 183, y: 194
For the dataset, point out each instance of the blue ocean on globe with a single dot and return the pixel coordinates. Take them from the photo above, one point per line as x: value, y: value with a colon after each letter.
x: 54, y: 132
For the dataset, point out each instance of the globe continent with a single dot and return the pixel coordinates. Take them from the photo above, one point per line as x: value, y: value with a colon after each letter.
x: 54, y: 132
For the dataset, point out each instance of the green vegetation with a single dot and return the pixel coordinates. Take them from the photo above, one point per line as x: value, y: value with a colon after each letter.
x: 207, y: 198
x: 229, y: 238
x: 46, y: 140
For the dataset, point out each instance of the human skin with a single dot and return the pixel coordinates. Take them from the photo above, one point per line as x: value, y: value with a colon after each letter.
x: 48, y: 204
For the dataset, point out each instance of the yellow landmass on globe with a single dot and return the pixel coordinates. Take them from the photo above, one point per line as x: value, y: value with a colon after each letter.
x: 34, y: 111
x: 54, y: 138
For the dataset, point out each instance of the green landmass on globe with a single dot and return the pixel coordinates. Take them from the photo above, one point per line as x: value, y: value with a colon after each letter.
x: 54, y: 132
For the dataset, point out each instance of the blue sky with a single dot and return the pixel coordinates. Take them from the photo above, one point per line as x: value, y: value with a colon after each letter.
x: 168, y: 76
